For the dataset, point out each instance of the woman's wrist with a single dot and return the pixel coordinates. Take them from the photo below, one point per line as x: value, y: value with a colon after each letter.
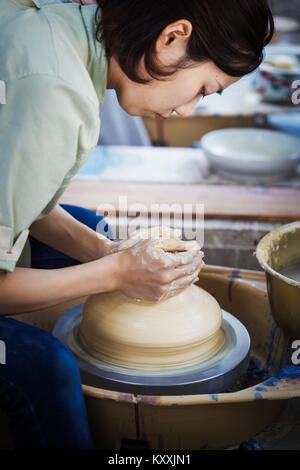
x: 105, y: 274
x: 102, y: 245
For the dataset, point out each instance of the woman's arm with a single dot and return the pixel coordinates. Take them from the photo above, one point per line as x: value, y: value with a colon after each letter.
x: 137, y: 271
x: 66, y: 234
x: 28, y: 289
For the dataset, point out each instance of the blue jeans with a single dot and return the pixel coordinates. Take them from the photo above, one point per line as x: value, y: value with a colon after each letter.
x: 40, y: 386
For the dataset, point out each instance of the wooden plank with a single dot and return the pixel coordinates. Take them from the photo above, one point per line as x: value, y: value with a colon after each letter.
x: 227, y: 202
x: 183, y: 132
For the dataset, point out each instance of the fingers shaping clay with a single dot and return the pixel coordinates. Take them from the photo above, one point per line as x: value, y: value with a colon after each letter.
x: 164, y: 239
x: 156, y: 232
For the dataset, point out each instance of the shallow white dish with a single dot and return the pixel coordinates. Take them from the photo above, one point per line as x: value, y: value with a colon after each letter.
x: 254, y: 155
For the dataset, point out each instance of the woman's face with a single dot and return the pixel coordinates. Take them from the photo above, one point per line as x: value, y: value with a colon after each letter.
x: 178, y: 93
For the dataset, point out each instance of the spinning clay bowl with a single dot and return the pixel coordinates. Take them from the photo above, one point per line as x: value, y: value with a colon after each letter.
x: 146, y: 335
x: 185, y: 344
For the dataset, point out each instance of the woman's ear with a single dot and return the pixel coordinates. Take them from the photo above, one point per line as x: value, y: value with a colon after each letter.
x: 172, y: 42
x: 178, y: 32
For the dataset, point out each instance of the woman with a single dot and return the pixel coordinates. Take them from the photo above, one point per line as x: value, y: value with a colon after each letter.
x: 57, y: 58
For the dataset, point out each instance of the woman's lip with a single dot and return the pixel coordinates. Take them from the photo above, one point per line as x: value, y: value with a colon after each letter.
x: 158, y: 117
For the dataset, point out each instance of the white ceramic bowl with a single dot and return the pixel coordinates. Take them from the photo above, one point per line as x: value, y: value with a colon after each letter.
x: 253, y: 155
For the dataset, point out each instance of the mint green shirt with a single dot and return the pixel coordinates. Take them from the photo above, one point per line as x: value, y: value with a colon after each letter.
x: 54, y: 73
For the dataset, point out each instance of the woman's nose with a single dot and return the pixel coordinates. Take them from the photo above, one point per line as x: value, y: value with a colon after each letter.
x: 186, y: 109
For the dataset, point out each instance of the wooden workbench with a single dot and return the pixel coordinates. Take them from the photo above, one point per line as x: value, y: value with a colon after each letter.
x: 221, y: 202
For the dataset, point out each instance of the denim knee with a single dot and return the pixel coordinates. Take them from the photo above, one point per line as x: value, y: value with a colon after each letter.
x: 40, y: 390
x: 62, y: 369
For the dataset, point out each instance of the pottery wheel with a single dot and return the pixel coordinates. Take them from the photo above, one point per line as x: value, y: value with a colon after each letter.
x: 211, y: 375
x: 182, y: 344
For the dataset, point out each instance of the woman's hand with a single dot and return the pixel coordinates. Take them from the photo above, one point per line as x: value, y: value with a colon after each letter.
x: 147, y: 272
x: 153, y: 233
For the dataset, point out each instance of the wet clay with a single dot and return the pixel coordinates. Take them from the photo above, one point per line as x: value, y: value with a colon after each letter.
x: 179, y: 331
x: 164, y: 238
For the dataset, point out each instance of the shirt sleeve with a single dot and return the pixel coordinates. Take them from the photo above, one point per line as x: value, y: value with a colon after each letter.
x: 47, y: 130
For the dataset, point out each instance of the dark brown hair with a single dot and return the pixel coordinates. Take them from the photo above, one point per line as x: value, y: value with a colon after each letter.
x: 231, y: 33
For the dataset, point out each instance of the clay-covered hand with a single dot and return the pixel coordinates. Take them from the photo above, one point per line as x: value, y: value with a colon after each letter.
x: 154, y: 270
x: 153, y: 233
x: 161, y: 231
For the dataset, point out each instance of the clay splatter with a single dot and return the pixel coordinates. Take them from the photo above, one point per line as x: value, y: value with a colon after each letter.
x: 261, y: 389
x: 258, y: 396
x: 148, y: 399
x: 255, y: 374
x: 234, y: 275
x: 290, y: 373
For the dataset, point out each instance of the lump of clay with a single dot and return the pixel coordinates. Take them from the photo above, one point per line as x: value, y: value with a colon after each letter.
x: 164, y: 238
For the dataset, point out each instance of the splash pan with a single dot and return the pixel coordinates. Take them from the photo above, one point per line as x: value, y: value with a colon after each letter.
x: 210, y: 376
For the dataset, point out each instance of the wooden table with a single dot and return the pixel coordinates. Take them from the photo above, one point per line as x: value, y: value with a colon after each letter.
x: 220, y: 202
